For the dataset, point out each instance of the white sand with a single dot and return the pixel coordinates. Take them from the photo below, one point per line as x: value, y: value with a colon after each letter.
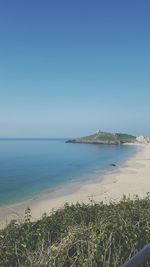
x: 132, y: 179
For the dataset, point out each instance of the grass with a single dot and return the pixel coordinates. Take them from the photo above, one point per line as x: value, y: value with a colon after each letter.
x: 92, y: 235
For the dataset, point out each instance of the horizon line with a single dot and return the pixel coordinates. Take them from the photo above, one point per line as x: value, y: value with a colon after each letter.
x: 32, y: 138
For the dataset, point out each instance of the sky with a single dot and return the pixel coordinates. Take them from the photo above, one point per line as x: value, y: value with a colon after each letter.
x: 69, y: 68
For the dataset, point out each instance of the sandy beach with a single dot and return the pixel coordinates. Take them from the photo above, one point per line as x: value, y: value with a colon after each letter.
x: 132, y: 179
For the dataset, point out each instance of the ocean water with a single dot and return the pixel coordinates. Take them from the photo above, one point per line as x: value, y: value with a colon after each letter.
x: 30, y: 167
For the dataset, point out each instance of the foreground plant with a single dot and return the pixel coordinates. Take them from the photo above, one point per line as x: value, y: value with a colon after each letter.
x: 96, y: 234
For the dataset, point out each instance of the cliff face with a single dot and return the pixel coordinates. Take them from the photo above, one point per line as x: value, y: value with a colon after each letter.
x: 105, y: 138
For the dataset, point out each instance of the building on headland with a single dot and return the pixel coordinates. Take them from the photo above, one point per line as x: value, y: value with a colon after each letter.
x: 98, y: 132
x: 143, y: 139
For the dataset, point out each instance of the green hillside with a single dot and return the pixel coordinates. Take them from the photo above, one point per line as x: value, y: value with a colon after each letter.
x: 125, y: 138
x: 106, y: 138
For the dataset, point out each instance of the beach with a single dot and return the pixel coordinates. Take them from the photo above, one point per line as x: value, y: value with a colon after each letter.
x: 131, y: 179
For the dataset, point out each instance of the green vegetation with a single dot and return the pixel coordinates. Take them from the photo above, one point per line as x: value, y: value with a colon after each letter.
x: 125, y: 138
x: 97, y: 235
x: 101, y: 137
x: 105, y: 138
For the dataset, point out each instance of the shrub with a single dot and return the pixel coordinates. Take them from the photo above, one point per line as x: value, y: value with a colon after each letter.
x: 96, y: 234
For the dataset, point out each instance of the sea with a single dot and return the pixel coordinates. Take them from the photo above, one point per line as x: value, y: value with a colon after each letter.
x: 30, y: 167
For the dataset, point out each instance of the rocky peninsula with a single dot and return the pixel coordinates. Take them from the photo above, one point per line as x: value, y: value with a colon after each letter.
x: 105, y: 138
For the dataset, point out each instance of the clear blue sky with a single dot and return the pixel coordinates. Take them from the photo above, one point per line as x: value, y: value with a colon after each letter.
x: 68, y: 68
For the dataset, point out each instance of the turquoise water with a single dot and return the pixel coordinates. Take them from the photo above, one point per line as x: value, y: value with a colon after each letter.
x: 30, y: 167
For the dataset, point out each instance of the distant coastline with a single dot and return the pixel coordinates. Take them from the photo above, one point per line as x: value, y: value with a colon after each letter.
x: 101, y: 137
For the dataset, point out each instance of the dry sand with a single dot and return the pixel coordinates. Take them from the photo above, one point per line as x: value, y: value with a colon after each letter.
x: 132, y: 179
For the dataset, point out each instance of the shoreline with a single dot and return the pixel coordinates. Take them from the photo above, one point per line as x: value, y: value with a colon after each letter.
x: 130, y: 179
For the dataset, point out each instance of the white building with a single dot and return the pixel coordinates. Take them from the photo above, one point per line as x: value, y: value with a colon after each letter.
x: 141, y: 139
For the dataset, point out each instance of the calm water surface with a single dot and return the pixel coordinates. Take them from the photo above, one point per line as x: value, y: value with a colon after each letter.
x: 30, y: 167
